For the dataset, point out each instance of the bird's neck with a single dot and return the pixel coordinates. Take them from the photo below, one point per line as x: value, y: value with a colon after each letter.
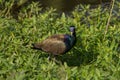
x: 74, y: 34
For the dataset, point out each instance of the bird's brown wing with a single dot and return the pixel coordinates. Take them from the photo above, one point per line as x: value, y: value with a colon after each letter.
x: 54, y: 44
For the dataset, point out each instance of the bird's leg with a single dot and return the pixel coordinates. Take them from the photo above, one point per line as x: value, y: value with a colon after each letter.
x: 49, y: 57
x: 56, y: 61
x: 54, y: 58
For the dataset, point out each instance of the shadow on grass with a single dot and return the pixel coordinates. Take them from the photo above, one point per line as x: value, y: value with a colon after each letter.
x: 77, y: 58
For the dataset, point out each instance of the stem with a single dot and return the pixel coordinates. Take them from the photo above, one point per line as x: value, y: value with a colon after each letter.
x: 108, y: 21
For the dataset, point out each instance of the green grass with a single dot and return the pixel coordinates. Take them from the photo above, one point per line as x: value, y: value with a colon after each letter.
x: 96, y: 56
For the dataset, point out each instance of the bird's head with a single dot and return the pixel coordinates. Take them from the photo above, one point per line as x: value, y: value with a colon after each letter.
x: 72, y: 30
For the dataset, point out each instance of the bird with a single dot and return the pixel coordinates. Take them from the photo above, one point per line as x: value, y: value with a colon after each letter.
x: 57, y: 44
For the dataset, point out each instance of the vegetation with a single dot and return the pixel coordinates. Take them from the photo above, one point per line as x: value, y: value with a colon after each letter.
x: 96, y: 56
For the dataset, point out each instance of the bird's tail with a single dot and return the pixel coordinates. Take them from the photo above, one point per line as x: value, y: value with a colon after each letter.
x: 36, y: 46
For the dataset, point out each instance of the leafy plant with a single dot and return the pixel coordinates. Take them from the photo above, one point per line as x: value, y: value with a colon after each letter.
x: 94, y: 57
